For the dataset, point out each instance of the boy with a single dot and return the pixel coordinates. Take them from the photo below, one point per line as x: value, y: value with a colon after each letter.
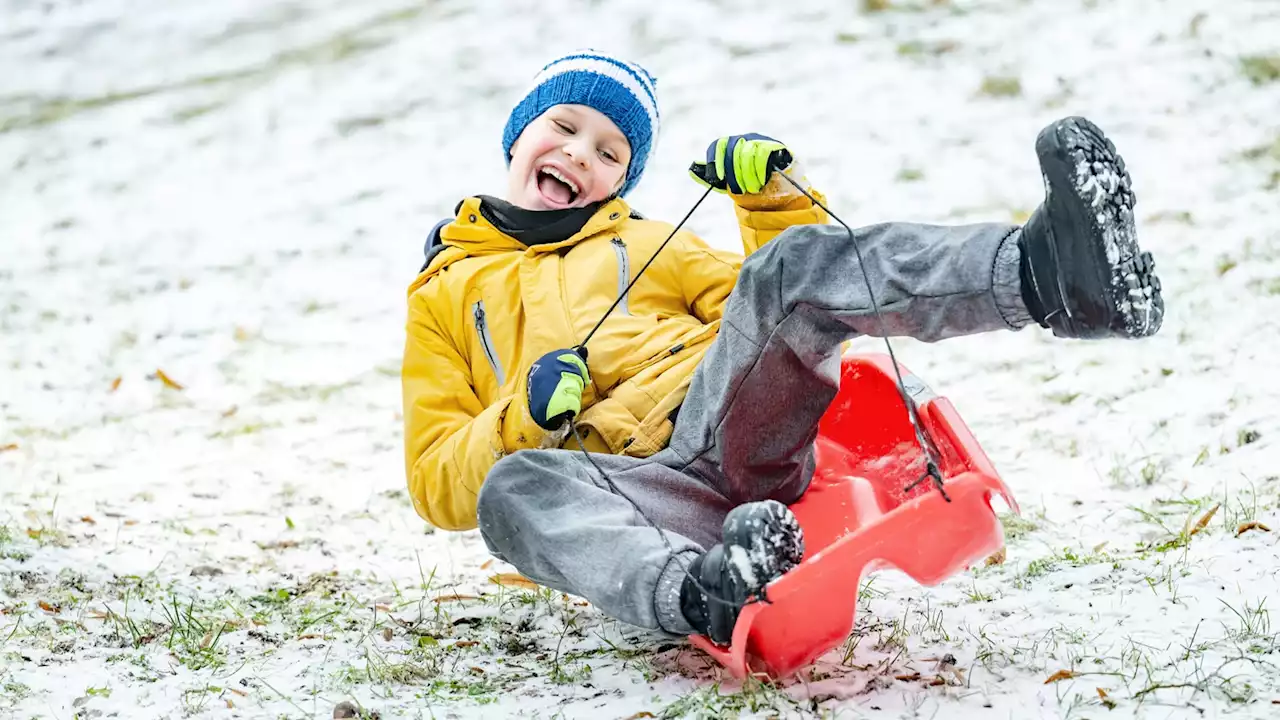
x: 701, y: 393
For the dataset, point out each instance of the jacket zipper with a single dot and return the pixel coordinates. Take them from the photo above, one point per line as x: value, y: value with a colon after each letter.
x: 624, y: 273
x: 486, y: 342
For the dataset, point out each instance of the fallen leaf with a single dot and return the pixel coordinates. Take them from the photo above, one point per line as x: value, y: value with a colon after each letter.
x: 487, y: 564
x: 242, y: 334
x: 241, y: 693
x: 51, y: 609
x: 88, y: 520
x: 453, y: 598
x: 641, y: 714
x: 168, y: 381
x: 1204, y: 519
x: 115, y: 384
x: 1060, y: 675
x: 1246, y: 527
x: 279, y: 545
x: 477, y: 670
x: 229, y: 703
x: 513, y: 580
x: 230, y: 411
x: 386, y: 634
x: 937, y: 680
x: 130, y: 523
x: 907, y: 678
x: 1106, y: 699
x: 998, y: 558
x: 7, y: 448
x: 98, y: 615
x: 466, y: 643
x: 581, y: 603
x: 382, y: 607
x: 1098, y: 548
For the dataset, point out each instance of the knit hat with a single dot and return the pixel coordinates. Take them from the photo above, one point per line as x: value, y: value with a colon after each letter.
x: 620, y: 90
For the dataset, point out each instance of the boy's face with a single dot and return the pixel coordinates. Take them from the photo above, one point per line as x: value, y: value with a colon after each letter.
x: 570, y: 156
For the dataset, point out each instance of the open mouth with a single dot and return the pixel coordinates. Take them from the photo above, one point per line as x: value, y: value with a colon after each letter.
x: 556, y: 186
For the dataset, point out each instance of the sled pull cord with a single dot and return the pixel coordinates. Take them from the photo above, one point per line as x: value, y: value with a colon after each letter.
x: 582, y: 347
x: 931, y: 464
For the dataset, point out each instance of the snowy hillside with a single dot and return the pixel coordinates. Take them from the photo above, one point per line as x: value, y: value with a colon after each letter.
x: 209, y: 213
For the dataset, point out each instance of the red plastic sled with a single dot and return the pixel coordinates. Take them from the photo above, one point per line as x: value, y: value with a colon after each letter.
x: 858, y: 517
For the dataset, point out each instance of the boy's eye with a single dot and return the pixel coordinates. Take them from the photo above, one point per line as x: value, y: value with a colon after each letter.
x: 608, y: 155
x: 563, y: 127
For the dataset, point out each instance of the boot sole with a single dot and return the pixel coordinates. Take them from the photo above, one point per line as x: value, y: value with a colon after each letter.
x: 1077, y: 157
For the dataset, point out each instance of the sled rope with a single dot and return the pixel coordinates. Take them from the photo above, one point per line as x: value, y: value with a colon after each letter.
x: 931, y: 465
x: 583, y: 345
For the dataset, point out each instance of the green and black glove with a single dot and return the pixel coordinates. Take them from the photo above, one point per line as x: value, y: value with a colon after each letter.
x: 741, y: 164
x: 556, y: 382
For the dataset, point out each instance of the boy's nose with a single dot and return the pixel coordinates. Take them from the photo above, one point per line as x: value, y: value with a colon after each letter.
x: 579, y: 154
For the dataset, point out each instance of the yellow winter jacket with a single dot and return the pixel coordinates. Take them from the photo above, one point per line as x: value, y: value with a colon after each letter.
x: 487, y: 306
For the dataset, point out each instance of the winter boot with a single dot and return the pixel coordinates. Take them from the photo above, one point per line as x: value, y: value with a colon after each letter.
x: 761, y: 541
x: 1083, y: 274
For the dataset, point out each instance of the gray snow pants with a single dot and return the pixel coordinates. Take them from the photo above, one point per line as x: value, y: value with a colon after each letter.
x: 745, y: 432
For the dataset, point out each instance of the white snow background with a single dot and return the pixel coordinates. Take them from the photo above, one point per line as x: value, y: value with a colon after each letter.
x: 236, y: 194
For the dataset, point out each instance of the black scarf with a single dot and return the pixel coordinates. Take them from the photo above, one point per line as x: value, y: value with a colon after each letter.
x: 535, y: 227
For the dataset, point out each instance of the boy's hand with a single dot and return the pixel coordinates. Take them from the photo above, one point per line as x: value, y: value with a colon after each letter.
x: 555, y: 388
x: 741, y: 164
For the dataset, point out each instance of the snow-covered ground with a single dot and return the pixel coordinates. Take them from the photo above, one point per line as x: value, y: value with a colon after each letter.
x: 230, y: 197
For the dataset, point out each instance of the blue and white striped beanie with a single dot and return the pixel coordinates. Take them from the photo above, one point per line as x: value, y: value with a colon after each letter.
x: 620, y: 90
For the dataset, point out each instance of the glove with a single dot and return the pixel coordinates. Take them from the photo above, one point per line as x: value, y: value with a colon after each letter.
x: 555, y: 387
x: 741, y: 164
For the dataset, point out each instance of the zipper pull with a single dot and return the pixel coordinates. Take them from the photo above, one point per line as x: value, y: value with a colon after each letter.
x: 479, y: 315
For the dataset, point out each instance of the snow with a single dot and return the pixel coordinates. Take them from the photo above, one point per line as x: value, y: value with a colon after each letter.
x: 236, y: 194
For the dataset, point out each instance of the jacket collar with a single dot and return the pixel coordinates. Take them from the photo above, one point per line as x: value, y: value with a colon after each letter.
x: 472, y: 233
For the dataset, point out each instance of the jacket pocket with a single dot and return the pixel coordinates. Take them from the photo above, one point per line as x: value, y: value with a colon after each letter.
x: 624, y: 273
x: 486, y: 341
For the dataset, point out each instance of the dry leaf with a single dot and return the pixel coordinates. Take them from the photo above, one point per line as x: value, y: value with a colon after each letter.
x: 1060, y: 675
x: 115, y: 384
x: 998, y: 558
x: 229, y: 703
x: 88, y: 520
x: 936, y: 681
x: 487, y: 564
x: 386, y: 634
x: 1246, y: 527
x: 382, y: 607
x: 453, y: 598
x: 278, y: 545
x: 7, y: 448
x: 130, y: 523
x: 168, y: 381
x: 477, y: 670
x: 242, y: 334
x: 51, y: 609
x: 907, y: 678
x: 1098, y: 548
x: 241, y: 693
x: 641, y: 714
x: 513, y: 580
x: 230, y: 411
x: 1106, y: 700
x: 466, y: 643
x: 1204, y: 520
